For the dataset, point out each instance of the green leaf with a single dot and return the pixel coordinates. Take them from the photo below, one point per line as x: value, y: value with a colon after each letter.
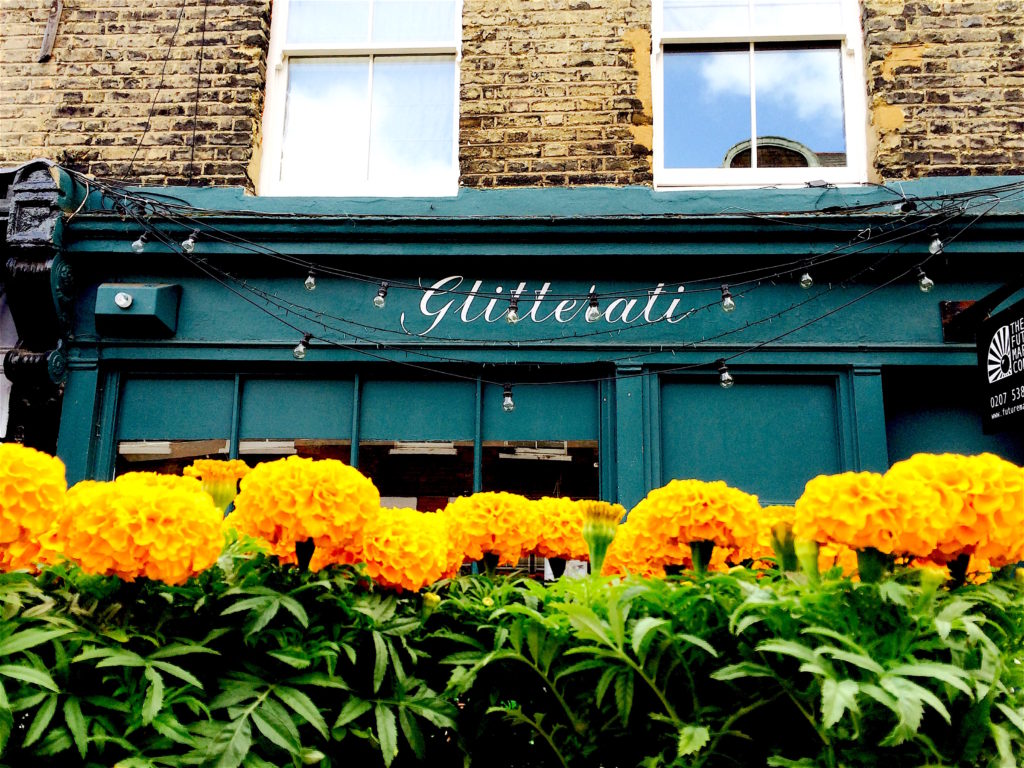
x: 587, y: 623
x: 412, y: 732
x: 245, y: 605
x: 692, y: 739
x: 1004, y: 745
x: 6, y: 726
x: 303, y: 706
x: 154, y: 700
x: 624, y: 695
x: 1014, y: 716
x: 294, y: 660
x: 42, y: 719
x: 947, y: 673
x: 353, y: 709
x: 29, y: 675
x: 836, y: 698
x: 29, y: 638
x: 380, y: 663
x: 642, y: 629
x: 294, y: 607
x: 76, y: 724
x: 232, y: 744
x: 743, y: 669
x: 175, y: 671
x: 276, y: 729
x: 387, y: 732
x: 263, y: 618
x: 788, y: 648
x: 907, y: 690
x: 699, y: 642
x: 167, y: 725
x: 857, y: 659
x: 602, y: 684
x: 180, y: 649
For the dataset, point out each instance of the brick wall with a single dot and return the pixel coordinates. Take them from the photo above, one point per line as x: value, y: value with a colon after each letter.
x: 946, y: 87
x: 87, y: 107
x: 555, y: 92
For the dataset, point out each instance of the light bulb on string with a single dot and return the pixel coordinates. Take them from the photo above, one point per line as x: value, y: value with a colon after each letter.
x: 310, y: 282
x: 728, y: 302
x: 936, y: 246
x: 140, y: 245
x: 725, y: 378
x: 905, y: 206
x: 513, y: 311
x: 924, y: 282
x: 806, y: 281
x: 507, y: 404
x: 593, y: 311
x: 299, y: 353
x: 188, y: 245
x: 382, y: 295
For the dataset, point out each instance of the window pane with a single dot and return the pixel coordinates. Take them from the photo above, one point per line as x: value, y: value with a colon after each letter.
x: 421, y: 20
x: 325, y: 129
x: 725, y: 17
x: 799, y: 99
x: 328, y: 21
x: 413, y: 116
x: 707, y: 105
x: 789, y: 17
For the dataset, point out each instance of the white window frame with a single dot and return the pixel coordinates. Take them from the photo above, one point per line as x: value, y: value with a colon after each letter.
x: 850, y: 39
x: 321, y: 182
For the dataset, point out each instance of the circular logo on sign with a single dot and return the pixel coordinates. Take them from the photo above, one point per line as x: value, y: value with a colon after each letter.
x: 999, y: 355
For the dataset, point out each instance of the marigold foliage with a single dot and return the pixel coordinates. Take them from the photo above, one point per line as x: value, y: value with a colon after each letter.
x: 501, y: 523
x: 560, y: 528
x: 293, y: 499
x: 32, y: 488
x: 142, y: 524
x: 979, y: 506
x: 406, y: 549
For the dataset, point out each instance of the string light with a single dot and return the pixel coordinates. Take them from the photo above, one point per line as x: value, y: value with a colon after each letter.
x: 507, y: 404
x: 140, y: 245
x: 593, y: 311
x: 310, y: 282
x: 299, y: 353
x: 382, y: 295
x: 806, y: 281
x: 936, y: 246
x: 188, y: 245
x: 728, y: 303
x: 724, y: 377
x: 924, y: 282
x: 513, y: 311
x: 905, y: 206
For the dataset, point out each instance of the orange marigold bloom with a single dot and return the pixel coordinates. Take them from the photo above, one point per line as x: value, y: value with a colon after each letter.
x: 293, y: 499
x: 560, y: 532
x: 32, y: 488
x: 865, y: 509
x: 501, y: 523
x: 142, y: 524
x: 980, y: 507
x: 219, y: 477
x: 406, y: 549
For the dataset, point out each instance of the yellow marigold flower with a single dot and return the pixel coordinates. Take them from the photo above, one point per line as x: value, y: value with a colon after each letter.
x: 979, y: 508
x: 32, y: 488
x: 219, y: 478
x: 500, y: 523
x: 865, y: 509
x: 293, y: 499
x: 405, y: 549
x: 142, y: 524
x: 685, y: 511
x: 560, y: 531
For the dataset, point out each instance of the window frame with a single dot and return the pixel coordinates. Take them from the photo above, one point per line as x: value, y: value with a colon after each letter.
x: 319, y: 182
x: 847, y: 34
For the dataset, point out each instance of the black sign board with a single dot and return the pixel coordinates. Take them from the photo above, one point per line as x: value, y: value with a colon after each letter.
x: 1001, y: 362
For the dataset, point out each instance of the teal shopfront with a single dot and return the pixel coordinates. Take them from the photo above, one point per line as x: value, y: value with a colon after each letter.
x: 173, y: 355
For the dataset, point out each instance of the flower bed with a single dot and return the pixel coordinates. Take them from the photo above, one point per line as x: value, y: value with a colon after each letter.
x: 134, y: 637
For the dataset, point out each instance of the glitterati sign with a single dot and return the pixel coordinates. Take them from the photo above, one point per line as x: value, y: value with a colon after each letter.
x: 1001, y: 361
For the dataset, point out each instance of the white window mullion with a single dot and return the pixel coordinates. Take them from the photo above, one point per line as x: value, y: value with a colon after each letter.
x: 369, y: 116
x: 753, y: 108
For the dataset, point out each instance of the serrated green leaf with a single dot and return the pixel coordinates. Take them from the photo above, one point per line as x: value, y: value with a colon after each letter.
x: 29, y: 675
x: 263, y: 618
x: 836, y: 697
x: 154, y: 699
x: 947, y: 673
x: 42, y: 720
x: 294, y: 607
x: 303, y: 706
x: 251, y: 603
x: 412, y: 733
x: 180, y: 649
x: 277, y: 730
x: 57, y: 740
x: 624, y: 695
x: 76, y: 724
x: 231, y: 745
x: 6, y: 726
x: 380, y: 663
x: 642, y: 630
x: 743, y: 669
x: 387, y: 732
x: 353, y: 709
x: 851, y: 657
x: 29, y: 638
x: 294, y: 660
x: 907, y: 690
x: 1004, y: 746
x: 788, y: 648
x: 175, y: 671
x: 1014, y: 716
x: 699, y: 642
x: 692, y: 739
x: 168, y: 726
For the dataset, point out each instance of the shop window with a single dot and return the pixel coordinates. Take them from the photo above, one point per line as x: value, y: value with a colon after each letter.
x: 758, y: 92
x: 362, y: 98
